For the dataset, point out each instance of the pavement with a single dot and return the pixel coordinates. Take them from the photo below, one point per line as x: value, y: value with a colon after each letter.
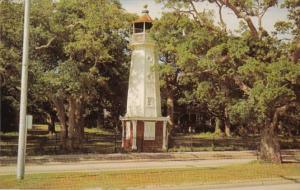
x: 287, y: 155
x: 108, y: 162
x: 98, y: 166
x: 111, y: 162
x: 77, y: 158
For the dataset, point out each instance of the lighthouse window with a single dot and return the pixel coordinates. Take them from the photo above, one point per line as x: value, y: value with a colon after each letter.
x: 138, y: 27
x: 150, y: 101
x: 128, y: 130
x: 149, y: 131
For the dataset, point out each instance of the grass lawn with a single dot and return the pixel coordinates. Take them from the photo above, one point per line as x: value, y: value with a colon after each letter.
x: 39, y: 142
x: 154, y: 177
x: 211, y: 142
x: 103, y: 141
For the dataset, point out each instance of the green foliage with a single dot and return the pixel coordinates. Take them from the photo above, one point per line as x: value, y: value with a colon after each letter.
x: 283, y: 27
x: 88, y: 36
x: 10, y: 59
x: 77, y: 48
x: 241, y: 112
x: 293, y: 7
x: 272, y: 88
x: 244, y: 78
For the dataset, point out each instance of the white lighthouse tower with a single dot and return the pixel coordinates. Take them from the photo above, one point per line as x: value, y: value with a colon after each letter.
x: 144, y: 129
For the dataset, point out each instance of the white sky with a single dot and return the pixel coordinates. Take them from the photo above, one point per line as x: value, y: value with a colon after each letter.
x: 271, y: 17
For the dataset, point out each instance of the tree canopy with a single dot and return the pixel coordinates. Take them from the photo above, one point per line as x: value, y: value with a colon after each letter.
x: 79, y: 61
x: 247, y: 80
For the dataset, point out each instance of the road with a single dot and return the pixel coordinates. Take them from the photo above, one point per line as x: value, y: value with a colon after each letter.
x: 97, y: 166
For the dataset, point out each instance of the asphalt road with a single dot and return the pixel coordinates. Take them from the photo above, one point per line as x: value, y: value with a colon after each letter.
x: 97, y: 166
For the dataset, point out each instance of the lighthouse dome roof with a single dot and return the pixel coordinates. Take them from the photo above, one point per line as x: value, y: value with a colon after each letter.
x: 144, y: 18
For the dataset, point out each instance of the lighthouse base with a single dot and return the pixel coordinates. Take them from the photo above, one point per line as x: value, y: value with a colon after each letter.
x: 144, y: 134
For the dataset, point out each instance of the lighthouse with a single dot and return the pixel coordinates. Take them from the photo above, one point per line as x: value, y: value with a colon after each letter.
x: 143, y: 127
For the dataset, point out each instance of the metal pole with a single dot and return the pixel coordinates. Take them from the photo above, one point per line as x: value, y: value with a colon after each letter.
x: 23, y: 103
x: 0, y: 104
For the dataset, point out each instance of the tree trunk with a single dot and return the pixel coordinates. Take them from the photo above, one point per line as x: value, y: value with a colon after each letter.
x: 218, y: 126
x: 72, y: 130
x: 51, y: 123
x: 227, y: 125
x: 61, y: 114
x: 269, y: 145
x: 296, y: 54
x: 79, y: 120
x: 227, y: 128
x: 76, y: 130
x: 98, y: 121
x: 170, y: 108
x: 71, y: 123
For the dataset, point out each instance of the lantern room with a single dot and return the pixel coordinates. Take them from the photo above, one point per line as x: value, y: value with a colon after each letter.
x: 143, y: 24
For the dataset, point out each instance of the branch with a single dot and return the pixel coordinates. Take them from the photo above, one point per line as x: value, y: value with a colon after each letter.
x: 75, y: 24
x: 223, y: 24
x: 260, y: 16
x: 242, y: 15
x: 245, y: 88
x: 2, y: 79
x: 279, y: 111
x: 296, y: 54
x: 46, y: 45
x: 197, y: 17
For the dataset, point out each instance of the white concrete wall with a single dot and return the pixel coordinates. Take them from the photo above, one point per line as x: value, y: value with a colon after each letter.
x: 135, y: 100
x: 143, y: 92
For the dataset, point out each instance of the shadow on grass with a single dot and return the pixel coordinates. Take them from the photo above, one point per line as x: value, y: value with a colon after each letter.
x: 186, y: 142
x: 40, y: 143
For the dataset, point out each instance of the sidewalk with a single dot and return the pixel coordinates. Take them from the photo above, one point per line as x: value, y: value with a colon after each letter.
x: 99, y: 166
x: 136, y: 157
x: 292, y: 155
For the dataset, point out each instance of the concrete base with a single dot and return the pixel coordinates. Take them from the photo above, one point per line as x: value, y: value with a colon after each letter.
x: 136, y: 141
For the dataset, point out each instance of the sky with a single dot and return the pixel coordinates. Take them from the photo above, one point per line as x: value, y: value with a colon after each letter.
x: 273, y: 15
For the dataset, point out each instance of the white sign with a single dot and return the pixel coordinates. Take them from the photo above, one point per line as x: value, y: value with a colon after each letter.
x: 29, y: 122
x: 149, y: 130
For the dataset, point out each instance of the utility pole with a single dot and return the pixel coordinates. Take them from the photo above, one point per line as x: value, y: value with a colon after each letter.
x: 23, y: 102
x: 0, y: 104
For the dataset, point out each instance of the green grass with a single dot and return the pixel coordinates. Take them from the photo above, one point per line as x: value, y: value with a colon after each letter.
x: 154, y: 177
x: 206, y: 148
x: 98, y: 131
x: 40, y: 142
x: 9, y: 134
x: 207, y: 135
